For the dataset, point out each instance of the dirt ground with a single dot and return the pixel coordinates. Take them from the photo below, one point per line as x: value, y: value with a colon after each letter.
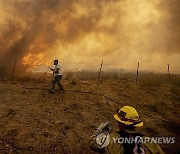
x: 32, y: 120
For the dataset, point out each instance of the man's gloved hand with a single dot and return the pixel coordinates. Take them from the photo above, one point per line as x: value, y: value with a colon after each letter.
x: 103, y: 126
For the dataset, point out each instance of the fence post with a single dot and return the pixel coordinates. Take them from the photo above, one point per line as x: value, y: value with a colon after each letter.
x: 137, y: 73
x: 169, y: 74
x: 100, y: 70
x: 12, y: 75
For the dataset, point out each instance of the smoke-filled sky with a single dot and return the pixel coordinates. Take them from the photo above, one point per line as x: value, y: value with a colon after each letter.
x: 118, y: 31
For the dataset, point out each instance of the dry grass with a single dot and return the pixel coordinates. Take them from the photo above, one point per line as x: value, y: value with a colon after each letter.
x: 74, y: 82
x: 35, y: 121
x: 159, y: 107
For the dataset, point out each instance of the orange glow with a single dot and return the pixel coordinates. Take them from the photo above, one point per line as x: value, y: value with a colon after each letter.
x: 122, y: 32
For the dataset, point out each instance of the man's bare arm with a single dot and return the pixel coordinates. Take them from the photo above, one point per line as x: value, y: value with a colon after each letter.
x: 54, y: 70
x: 51, y: 69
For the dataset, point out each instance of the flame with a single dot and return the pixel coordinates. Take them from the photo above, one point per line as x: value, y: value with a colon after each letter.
x: 117, y: 31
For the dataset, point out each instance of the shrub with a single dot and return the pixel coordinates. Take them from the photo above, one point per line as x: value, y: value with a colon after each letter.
x: 151, y: 81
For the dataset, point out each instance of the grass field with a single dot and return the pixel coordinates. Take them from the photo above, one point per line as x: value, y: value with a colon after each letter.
x: 34, y: 121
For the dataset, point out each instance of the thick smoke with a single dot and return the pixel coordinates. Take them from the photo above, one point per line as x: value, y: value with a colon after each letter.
x: 36, y: 26
x: 118, y: 31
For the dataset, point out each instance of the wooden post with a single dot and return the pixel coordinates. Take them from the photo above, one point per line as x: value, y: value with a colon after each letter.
x: 12, y: 75
x: 169, y: 74
x: 100, y: 70
x: 137, y: 73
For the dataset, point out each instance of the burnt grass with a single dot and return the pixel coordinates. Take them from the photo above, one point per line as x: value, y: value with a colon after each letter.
x: 34, y: 121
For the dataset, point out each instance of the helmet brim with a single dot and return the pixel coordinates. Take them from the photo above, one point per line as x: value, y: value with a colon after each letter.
x: 127, y: 122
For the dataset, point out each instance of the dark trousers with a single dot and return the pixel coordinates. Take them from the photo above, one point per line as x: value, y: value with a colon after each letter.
x: 57, y: 79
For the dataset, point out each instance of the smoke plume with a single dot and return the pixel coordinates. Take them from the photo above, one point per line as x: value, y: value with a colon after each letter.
x: 118, y: 31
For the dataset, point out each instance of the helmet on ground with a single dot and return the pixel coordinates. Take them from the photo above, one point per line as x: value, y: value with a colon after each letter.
x: 128, y: 116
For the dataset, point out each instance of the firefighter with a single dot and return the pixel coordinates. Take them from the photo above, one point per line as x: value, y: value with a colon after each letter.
x: 128, y: 120
x: 57, y: 76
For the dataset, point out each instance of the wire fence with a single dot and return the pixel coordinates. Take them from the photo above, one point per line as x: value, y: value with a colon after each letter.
x: 106, y: 66
x: 95, y: 66
x: 116, y: 66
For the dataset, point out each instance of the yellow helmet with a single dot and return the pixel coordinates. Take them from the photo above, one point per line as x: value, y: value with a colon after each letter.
x: 128, y: 116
